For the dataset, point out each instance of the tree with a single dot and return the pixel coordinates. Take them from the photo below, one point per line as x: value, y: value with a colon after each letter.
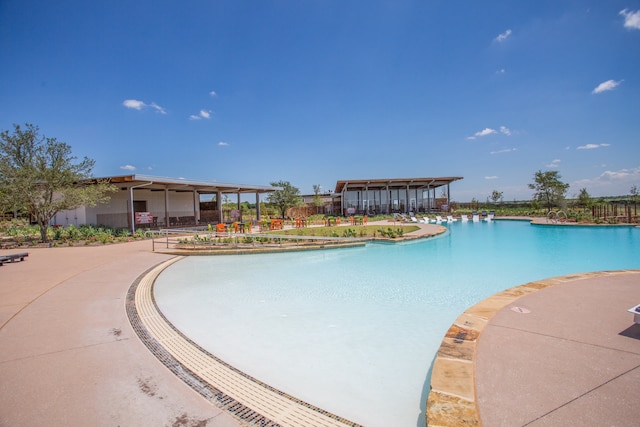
x: 496, y: 195
x: 317, y: 200
x: 39, y: 176
x: 635, y: 193
x: 548, y: 188
x: 285, y: 197
x: 584, y: 198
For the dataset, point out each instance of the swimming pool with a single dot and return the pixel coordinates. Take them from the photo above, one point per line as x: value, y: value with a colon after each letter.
x: 354, y: 331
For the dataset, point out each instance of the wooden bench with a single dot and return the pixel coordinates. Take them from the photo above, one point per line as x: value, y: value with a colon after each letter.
x: 13, y: 257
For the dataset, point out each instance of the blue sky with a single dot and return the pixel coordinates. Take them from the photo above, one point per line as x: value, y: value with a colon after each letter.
x: 311, y: 92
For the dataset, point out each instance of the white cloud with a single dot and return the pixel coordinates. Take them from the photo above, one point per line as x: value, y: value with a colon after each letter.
x: 505, y: 130
x: 610, y: 183
x: 592, y: 146
x: 506, y: 150
x: 140, y: 105
x: 502, y: 37
x: 134, y: 103
x: 631, y: 19
x: 158, y: 108
x: 213, y: 93
x: 484, y: 132
x: 491, y: 177
x: 606, y: 86
x: 554, y: 163
x: 223, y: 144
x: 501, y: 71
x: 128, y: 167
x: 203, y: 114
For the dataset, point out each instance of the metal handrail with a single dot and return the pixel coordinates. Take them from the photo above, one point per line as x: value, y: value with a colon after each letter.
x: 555, y: 217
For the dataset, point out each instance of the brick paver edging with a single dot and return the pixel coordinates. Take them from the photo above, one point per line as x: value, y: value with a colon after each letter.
x: 246, y: 398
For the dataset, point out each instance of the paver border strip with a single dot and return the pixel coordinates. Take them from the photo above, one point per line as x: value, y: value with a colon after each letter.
x: 152, y: 326
x: 452, y: 400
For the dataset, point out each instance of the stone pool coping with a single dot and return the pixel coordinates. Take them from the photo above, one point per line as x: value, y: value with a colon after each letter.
x: 453, y: 399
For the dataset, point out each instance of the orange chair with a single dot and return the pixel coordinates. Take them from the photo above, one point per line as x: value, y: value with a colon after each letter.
x: 364, y: 220
x: 221, y: 228
x: 236, y: 227
x: 337, y: 220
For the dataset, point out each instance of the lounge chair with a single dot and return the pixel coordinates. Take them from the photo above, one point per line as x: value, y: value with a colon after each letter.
x: 464, y: 218
x: 439, y: 219
x: 476, y: 217
x: 450, y: 218
x: 636, y: 313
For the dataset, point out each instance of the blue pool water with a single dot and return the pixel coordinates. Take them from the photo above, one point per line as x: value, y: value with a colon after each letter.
x: 354, y: 331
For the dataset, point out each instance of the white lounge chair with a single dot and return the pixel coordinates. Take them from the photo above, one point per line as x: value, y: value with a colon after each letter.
x: 476, y: 217
x: 464, y: 218
x: 439, y: 219
x: 450, y: 218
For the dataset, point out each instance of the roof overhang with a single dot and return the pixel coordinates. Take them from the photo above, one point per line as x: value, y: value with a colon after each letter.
x: 179, y: 184
x: 394, y: 183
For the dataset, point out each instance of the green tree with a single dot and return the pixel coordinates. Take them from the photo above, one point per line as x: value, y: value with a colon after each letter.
x: 635, y: 193
x: 496, y: 196
x: 317, y: 200
x: 549, y: 189
x: 286, y: 196
x: 39, y: 176
x: 584, y: 198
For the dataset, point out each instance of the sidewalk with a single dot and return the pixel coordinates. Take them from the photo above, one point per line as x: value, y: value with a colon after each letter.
x: 68, y: 355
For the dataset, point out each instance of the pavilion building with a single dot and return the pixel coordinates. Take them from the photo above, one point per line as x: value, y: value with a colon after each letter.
x: 151, y: 201
x: 397, y: 195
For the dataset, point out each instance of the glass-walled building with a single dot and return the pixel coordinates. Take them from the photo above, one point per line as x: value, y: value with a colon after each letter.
x: 401, y: 195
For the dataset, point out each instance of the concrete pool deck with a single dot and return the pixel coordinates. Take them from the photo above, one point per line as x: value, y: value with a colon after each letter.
x: 69, y: 355
x: 558, y: 351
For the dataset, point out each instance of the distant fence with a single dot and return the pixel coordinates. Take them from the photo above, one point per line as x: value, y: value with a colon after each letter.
x: 618, y: 212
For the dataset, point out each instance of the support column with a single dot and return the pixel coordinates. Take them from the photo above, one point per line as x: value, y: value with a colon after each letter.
x: 196, y: 211
x: 219, y: 205
x: 166, y: 207
x: 258, y: 207
x: 133, y: 215
x: 406, y: 200
x: 389, y: 202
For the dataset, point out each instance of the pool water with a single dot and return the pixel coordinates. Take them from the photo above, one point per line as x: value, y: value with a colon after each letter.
x: 354, y: 331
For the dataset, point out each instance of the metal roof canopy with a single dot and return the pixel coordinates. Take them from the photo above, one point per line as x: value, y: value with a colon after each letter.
x: 372, y: 184
x: 179, y: 184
